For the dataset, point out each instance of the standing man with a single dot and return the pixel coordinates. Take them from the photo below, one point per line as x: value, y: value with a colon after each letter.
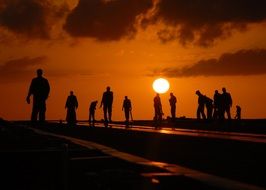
x: 172, y: 102
x: 217, y: 113
x: 158, y: 111
x: 92, y: 113
x: 71, y: 106
x: 226, y: 103
x: 39, y: 89
x: 201, y: 102
x: 107, y: 102
x: 209, y: 106
x: 127, y: 109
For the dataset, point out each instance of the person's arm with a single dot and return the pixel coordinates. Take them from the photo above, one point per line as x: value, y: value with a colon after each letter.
x: 230, y: 99
x: 66, y: 103
x: 130, y: 106
x: 46, y: 88
x: 77, y: 104
x: 102, y: 101
x: 123, y: 105
x: 29, y: 92
x: 112, y: 98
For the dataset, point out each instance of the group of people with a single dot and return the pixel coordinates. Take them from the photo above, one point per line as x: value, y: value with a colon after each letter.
x: 217, y: 107
x: 158, y: 111
x: 106, y: 104
x: 40, y: 88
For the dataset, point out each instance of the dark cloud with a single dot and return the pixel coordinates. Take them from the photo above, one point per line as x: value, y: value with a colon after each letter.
x: 31, y: 18
x: 241, y: 63
x: 204, y: 21
x: 105, y: 19
x: 20, y: 69
x: 192, y: 21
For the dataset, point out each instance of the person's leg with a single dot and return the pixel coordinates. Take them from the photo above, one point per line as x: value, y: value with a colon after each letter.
x: 93, y: 118
x: 202, y: 112
x: 173, y: 112
x: 105, y: 113
x: 42, y: 111
x: 34, y: 112
x: 198, y: 113
x: 228, y: 112
x: 110, y: 113
x: 127, y: 116
x: 90, y: 117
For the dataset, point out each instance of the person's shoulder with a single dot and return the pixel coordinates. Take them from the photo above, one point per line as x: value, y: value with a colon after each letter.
x: 35, y: 79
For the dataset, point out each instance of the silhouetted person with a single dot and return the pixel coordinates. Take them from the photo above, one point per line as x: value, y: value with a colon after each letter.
x: 172, y: 102
x: 226, y: 103
x: 71, y: 106
x: 92, y: 113
x: 209, y: 106
x: 158, y: 111
x: 238, y: 112
x: 39, y: 89
x: 201, y: 103
x: 127, y: 109
x: 107, y: 102
x: 217, y: 104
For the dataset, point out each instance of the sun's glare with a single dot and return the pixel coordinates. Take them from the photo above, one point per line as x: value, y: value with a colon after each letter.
x: 160, y: 85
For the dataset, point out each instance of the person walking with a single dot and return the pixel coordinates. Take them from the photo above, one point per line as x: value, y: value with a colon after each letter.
x: 71, y: 106
x: 172, y: 102
x: 39, y: 89
x: 106, y: 103
x: 209, y: 107
x: 201, y: 103
x: 226, y: 103
x: 92, y: 113
x: 127, y: 107
x: 217, y: 105
x: 158, y: 111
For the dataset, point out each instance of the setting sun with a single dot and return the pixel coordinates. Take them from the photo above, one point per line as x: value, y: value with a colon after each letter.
x: 160, y: 85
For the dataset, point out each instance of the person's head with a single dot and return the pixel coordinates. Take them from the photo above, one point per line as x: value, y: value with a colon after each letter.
x: 198, y: 92
x: 126, y: 97
x: 71, y: 92
x: 39, y: 72
x: 157, y: 94
x: 108, y: 88
x: 171, y: 94
x: 216, y: 92
x: 224, y: 90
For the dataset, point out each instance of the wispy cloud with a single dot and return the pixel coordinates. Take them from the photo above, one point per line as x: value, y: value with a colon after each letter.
x: 20, y: 69
x: 241, y: 63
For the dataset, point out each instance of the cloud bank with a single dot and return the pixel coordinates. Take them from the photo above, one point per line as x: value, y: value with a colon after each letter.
x: 193, y: 21
x: 205, y: 21
x: 105, y: 20
x: 33, y: 19
x: 241, y: 63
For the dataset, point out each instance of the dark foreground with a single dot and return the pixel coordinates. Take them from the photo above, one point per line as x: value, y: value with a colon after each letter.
x: 33, y: 161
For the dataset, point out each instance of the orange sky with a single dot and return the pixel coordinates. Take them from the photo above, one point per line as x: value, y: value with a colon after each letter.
x: 85, y: 46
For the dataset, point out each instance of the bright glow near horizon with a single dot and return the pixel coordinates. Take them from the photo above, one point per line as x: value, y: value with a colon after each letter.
x: 160, y: 85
